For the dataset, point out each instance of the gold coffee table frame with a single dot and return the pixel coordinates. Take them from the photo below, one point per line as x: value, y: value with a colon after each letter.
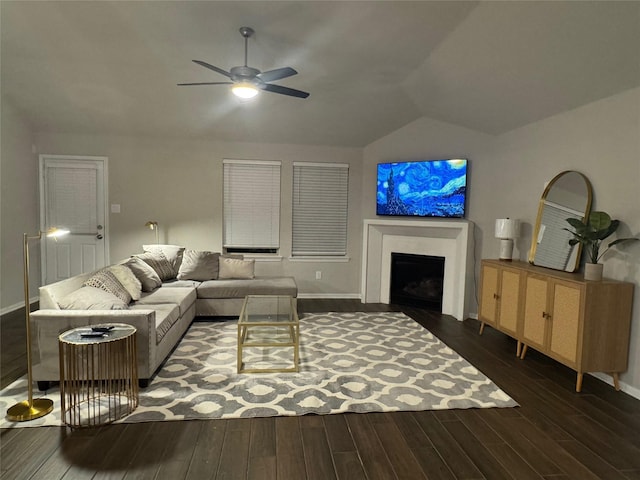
x: 261, y: 316
x: 98, y: 375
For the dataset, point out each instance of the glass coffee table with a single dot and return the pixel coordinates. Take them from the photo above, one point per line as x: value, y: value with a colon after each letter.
x: 268, y: 331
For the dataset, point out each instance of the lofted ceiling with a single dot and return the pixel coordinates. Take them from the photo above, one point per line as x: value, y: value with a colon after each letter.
x: 370, y: 66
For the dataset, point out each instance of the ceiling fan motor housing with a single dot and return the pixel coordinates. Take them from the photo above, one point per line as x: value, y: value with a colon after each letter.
x: 244, y: 74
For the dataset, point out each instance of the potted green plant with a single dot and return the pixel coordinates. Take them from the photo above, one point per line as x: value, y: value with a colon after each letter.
x: 599, y: 226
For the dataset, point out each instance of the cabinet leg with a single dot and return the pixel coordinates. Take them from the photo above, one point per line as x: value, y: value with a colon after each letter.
x: 481, y: 327
x: 616, y: 381
x: 519, y: 348
x: 579, y: 382
x: 524, y: 351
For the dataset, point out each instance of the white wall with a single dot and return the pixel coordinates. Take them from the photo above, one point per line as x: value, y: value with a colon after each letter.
x: 179, y: 184
x: 19, y: 207
x: 508, y: 174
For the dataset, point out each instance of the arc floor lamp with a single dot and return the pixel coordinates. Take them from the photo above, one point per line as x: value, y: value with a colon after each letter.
x: 31, y: 408
x: 153, y: 225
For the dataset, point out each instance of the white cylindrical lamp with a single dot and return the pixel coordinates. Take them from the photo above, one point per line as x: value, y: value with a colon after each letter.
x: 506, y: 230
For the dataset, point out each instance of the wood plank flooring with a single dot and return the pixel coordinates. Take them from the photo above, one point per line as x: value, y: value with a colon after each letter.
x: 555, y: 434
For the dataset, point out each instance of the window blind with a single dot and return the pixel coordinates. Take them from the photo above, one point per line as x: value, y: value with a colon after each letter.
x: 71, y: 197
x: 251, y: 204
x: 320, y: 202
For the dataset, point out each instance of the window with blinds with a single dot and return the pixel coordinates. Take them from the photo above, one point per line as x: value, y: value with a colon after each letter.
x: 251, y: 206
x: 320, y: 201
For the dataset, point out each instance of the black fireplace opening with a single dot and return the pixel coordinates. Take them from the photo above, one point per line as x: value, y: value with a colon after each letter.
x: 417, y: 280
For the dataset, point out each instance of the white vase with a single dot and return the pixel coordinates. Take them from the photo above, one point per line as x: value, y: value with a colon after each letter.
x: 593, y: 271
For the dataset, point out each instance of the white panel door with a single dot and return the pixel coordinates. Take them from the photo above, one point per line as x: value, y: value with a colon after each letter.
x: 73, y: 196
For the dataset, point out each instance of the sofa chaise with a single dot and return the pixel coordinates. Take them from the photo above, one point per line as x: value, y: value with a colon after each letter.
x: 159, y: 292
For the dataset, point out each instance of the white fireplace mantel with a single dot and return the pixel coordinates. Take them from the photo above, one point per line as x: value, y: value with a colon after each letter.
x: 448, y: 238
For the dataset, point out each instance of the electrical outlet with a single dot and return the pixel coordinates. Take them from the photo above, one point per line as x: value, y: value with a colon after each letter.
x: 318, y: 275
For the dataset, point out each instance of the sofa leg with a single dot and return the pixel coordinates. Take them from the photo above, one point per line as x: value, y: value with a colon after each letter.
x: 143, y: 382
x: 43, y: 385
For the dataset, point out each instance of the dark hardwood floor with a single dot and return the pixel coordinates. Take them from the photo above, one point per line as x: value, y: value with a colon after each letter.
x: 555, y: 434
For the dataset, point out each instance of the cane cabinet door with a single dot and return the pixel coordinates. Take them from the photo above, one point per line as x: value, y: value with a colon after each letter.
x: 489, y: 295
x: 565, y: 322
x: 509, y: 301
x: 534, y: 325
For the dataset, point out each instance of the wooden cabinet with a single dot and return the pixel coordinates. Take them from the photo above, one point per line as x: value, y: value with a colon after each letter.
x: 582, y: 324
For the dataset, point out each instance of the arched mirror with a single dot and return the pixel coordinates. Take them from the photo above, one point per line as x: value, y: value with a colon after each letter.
x: 567, y: 195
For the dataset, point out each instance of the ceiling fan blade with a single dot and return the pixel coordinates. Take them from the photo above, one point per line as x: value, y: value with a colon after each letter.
x: 277, y: 74
x: 211, y: 67
x: 204, y: 83
x: 292, y: 92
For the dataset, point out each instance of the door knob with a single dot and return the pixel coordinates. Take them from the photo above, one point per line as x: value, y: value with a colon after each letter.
x: 99, y: 237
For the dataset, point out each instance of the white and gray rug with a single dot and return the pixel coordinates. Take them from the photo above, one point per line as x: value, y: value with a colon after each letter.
x: 349, y: 362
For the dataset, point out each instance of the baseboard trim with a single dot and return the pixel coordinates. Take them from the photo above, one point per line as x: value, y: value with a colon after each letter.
x: 625, y: 387
x: 17, y: 306
x: 330, y: 295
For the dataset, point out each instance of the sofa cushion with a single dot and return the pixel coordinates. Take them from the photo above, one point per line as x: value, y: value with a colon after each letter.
x: 183, y: 297
x: 167, y: 314
x: 51, y: 294
x: 91, y: 298
x: 174, y: 254
x: 241, y: 288
x: 148, y: 277
x: 159, y: 263
x: 128, y: 280
x: 199, y: 265
x: 107, y: 281
x: 236, y: 268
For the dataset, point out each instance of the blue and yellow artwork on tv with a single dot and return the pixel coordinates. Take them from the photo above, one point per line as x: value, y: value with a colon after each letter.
x: 430, y: 188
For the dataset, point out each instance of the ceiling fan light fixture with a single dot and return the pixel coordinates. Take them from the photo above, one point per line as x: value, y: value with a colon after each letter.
x: 245, y: 90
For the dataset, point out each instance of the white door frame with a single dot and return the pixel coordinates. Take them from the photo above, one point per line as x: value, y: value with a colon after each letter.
x: 105, y: 190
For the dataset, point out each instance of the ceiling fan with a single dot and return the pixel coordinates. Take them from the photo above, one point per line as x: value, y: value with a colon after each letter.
x: 248, y: 81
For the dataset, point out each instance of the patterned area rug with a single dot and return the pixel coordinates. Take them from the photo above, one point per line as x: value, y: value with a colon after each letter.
x: 349, y: 362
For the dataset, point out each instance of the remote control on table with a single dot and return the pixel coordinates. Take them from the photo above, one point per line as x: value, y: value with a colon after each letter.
x: 102, y: 329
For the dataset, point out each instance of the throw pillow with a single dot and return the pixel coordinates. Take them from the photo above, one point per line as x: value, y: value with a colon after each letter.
x: 91, y: 298
x: 174, y: 254
x: 105, y: 280
x: 199, y: 265
x: 143, y: 272
x: 235, y: 268
x: 159, y: 263
x: 128, y: 280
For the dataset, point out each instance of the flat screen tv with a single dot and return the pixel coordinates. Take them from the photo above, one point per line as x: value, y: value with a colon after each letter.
x: 429, y: 188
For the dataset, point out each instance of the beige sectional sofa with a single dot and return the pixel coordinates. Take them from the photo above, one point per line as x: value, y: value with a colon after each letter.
x: 161, y: 314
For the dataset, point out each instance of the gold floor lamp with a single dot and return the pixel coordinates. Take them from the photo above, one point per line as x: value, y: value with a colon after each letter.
x: 31, y: 408
x: 153, y: 225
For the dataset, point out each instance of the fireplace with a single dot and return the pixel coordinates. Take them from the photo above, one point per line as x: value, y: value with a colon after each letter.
x: 451, y: 239
x: 417, y: 280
